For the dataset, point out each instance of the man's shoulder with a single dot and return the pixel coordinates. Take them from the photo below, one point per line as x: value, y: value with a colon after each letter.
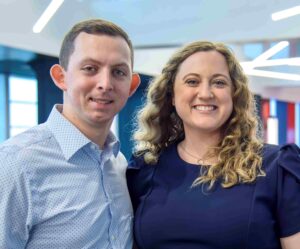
x: 28, y: 139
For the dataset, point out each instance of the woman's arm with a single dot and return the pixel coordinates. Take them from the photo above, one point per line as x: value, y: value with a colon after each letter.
x: 291, y: 242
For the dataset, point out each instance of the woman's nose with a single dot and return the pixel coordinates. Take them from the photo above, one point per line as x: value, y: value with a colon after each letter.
x: 205, y: 91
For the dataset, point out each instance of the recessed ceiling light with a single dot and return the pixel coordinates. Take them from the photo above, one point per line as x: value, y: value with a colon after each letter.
x: 262, y: 61
x: 294, y: 61
x: 271, y: 74
x: 286, y: 13
x: 272, y: 51
x: 46, y: 16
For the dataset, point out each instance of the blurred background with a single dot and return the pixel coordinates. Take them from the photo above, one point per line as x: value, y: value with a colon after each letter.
x: 264, y: 34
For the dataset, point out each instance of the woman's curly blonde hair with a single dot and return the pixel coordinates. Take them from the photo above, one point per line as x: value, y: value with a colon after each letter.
x: 158, y: 125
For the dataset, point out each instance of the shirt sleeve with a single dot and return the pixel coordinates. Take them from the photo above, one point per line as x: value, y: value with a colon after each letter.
x: 15, y: 207
x: 289, y: 190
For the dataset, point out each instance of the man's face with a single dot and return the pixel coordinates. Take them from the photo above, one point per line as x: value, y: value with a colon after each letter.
x: 97, y: 81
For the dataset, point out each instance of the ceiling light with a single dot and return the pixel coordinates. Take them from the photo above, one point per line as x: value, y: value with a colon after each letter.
x: 295, y: 61
x: 272, y: 51
x: 269, y: 74
x: 286, y: 13
x: 262, y: 61
x: 47, y: 14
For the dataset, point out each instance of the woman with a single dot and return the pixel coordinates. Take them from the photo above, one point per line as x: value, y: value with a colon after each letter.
x: 201, y: 177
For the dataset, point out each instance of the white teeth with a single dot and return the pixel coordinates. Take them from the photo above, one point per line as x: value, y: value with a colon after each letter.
x: 101, y: 101
x: 204, y: 108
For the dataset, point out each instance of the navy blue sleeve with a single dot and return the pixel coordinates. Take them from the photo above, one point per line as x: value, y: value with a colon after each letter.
x: 288, y: 207
x: 139, y: 175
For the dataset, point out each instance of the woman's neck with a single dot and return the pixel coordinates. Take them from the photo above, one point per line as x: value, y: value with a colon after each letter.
x: 195, y: 148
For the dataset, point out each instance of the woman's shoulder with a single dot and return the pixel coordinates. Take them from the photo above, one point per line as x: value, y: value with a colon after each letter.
x: 284, y: 162
x: 138, y: 169
x: 137, y: 161
x: 287, y: 157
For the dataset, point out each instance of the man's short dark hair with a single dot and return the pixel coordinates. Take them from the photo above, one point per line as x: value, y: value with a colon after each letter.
x: 93, y: 26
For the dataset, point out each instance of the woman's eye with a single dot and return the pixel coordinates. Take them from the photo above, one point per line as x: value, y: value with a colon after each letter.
x: 191, y: 82
x: 219, y: 83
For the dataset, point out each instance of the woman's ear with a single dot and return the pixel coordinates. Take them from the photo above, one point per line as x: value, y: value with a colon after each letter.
x: 135, y: 82
x: 58, y: 76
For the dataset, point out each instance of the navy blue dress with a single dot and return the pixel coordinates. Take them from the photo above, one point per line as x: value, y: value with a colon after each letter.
x: 170, y: 214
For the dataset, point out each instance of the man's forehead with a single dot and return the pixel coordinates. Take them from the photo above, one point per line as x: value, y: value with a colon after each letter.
x: 116, y: 43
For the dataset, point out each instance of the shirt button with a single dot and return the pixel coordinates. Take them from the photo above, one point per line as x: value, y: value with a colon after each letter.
x: 113, y: 237
x: 93, y: 147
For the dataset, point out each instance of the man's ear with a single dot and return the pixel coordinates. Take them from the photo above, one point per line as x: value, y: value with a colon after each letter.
x: 135, y: 82
x: 58, y: 76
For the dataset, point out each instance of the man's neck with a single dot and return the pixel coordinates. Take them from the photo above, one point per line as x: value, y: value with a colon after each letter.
x: 96, y: 133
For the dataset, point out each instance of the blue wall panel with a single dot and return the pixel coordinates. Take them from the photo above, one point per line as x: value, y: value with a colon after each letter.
x: 128, y: 114
x: 282, y: 121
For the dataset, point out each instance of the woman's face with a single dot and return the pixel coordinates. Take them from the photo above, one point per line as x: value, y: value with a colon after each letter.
x: 203, y: 92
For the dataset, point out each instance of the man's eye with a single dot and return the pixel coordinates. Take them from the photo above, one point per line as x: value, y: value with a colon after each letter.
x: 118, y: 72
x: 89, y: 69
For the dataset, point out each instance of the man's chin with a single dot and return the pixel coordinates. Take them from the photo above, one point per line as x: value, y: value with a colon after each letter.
x: 102, y: 121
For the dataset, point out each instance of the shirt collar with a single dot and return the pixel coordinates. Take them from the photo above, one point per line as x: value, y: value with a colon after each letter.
x: 112, y: 143
x: 70, y: 138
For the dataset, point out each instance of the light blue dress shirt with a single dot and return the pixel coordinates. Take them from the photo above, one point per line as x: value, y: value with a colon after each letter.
x: 59, y: 190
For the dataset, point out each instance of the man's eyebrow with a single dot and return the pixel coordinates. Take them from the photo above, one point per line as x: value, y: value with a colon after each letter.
x: 91, y: 60
x: 122, y: 64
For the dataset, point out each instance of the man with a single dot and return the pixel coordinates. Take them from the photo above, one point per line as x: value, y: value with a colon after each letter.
x: 63, y: 182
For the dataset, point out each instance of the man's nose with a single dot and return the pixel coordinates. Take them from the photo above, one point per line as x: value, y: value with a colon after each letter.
x: 105, y: 81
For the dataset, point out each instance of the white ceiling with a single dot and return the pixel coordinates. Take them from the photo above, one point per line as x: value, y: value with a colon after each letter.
x: 151, y: 24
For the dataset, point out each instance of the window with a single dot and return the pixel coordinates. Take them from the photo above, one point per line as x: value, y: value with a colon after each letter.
x: 22, y: 102
x: 252, y: 50
x: 3, y: 115
x: 284, y: 53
